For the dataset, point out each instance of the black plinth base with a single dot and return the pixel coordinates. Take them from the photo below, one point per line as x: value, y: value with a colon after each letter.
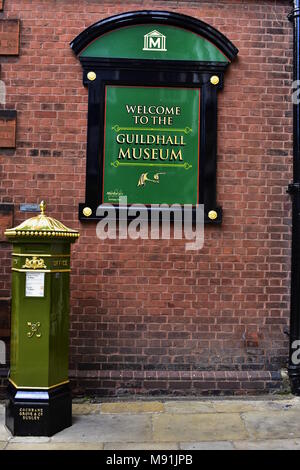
x: 294, y: 376
x: 38, y: 412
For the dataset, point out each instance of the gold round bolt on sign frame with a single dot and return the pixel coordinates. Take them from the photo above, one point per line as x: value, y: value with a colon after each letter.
x: 87, y: 211
x: 214, y: 80
x: 212, y: 215
x: 91, y: 76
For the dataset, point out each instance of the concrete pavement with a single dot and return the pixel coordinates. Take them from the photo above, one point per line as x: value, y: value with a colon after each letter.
x: 251, y: 423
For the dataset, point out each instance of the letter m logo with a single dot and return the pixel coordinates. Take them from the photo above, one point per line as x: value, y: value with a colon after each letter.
x: 154, y: 41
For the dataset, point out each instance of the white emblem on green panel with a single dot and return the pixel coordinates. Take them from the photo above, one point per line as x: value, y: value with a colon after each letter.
x: 154, y: 41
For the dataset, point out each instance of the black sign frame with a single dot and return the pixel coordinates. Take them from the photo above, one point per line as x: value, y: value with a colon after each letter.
x: 139, y: 72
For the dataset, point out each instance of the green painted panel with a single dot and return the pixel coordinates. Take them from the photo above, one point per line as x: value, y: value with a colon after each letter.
x: 39, y: 356
x: 154, y: 41
x: 30, y: 366
x: 151, y: 150
x: 59, y: 328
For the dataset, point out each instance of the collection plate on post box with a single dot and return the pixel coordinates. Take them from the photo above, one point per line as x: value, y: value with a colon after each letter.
x: 35, y: 284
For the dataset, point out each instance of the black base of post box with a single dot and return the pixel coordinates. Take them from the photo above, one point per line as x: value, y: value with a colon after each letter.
x: 38, y: 412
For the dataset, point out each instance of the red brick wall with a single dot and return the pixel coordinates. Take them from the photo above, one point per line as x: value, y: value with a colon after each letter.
x: 7, y: 131
x: 9, y: 37
x: 147, y: 316
x: 6, y: 221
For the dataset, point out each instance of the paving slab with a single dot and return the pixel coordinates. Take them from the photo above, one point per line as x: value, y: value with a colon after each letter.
x: 133, y: 407
x: 211, y: 424
x: 141, y: 446
x: 242, y: 406
x: 107, y: 428
x: 86, y: 408
x: 198, y: 427
x: 4, y: 433
x: 189, y: 407
x: 29, y: 439
x: 217, y: 445
x: 283, y: 424
x: 270, y: 444
x: 55, y: 446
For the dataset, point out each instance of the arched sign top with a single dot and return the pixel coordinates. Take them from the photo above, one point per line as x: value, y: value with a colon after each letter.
x: 154, y: 41
x: 157, y: 35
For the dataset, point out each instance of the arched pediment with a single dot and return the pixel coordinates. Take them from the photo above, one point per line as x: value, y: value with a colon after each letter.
x: 154, y: 35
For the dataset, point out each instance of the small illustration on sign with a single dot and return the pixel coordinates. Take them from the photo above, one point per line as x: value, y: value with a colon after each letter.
x: 144, y: 177
x: 155, y: 40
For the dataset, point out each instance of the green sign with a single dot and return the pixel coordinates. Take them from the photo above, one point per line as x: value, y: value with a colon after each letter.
x: 151, y: 145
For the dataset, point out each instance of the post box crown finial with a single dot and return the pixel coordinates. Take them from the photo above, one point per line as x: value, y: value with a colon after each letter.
x: 42, y: 226
x: 43, y: 207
